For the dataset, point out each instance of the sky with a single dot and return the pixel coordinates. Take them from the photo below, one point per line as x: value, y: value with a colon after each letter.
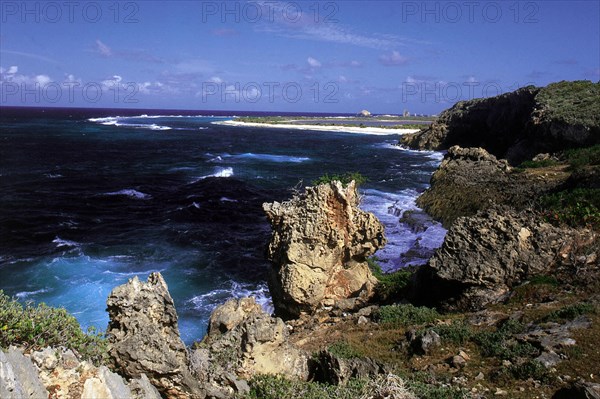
x: 280, y: 56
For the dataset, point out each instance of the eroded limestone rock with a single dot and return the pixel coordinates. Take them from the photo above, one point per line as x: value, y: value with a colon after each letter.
x: 319, y: 246
x: 144, y: 337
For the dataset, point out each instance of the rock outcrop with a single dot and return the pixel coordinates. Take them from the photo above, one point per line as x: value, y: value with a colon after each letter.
x: 244, y: 341
x: 518, y: 125
x: 319, y: 246
x: 471, y: 179
x: 144, y: 337
x: 18, y: 377
x: 483, y: 256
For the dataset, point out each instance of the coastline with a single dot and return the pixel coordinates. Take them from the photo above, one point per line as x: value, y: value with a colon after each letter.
x: 342, y: 129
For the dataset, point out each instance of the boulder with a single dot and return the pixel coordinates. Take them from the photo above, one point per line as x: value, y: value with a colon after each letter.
x: 485, y: 255
x: 256, y: 343
x: 319, y: 246
x: 335, y: 370
x: 144, y: 337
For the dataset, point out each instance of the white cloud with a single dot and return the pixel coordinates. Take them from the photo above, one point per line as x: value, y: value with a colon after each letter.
x: 12, y: 70
x: 313, y: 62
x: 42, y: 80
x: 393, y: 59
x: 216, y: 79
x: 103, y: 49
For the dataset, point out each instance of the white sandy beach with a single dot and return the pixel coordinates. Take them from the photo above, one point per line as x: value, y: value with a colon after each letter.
x: 344, y: 129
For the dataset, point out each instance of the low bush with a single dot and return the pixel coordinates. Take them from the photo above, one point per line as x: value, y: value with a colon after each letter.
x: 570, y: 312
x: 35, y: 327
x: 390, y: 285
x: 501, y: 344
x: 458, y: 333
x: 578, y: 207
x: 580, y: 157
x: 405, y: 315
x: 344, y: 350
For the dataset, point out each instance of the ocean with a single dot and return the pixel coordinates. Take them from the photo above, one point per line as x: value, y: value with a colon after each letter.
x: 90, y: 198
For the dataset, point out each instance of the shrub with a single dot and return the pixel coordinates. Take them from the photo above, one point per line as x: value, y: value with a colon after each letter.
x: 579, y: 157
x: 543, y: 279
x: 42, y: 325
x: 530, y: 369
x: 457, y: 333
x: 343, y: 350
x: 501, y: 344
x: 390, y: 285
x: 279, y: 387
x: 538, y: 164
x: 345, y: 179
x: 405, y: 315
x: 578, y: 207
x: 570, y: 312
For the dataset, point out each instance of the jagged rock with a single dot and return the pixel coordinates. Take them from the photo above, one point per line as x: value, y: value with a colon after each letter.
x: 423, y: 344
x: 144, y: 337
x: 18, y: 377
x: 471, y: 179
x: 483, y: 256
x: 256, y: 343
x: 106, y: 385
x: 141, y: 388
x: 520, y: 124
x: 319, y: 247
x: 335, y: 370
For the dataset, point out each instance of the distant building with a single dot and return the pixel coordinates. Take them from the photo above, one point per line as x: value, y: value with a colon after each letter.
x: 364, y: 113
x: 406, y: 113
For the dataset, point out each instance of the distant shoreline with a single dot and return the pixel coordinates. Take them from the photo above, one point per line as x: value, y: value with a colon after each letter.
x: 343, y: 129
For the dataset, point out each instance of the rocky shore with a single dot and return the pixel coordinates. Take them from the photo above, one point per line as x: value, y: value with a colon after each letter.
x: 508, y: 306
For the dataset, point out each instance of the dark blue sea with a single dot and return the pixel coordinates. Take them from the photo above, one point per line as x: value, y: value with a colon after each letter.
x: 91, y: 198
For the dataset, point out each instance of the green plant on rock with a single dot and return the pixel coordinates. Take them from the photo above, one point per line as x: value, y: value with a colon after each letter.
x: 279, y: 387
x: 502, y: 344
x: 580, y: 157
x: 458, y: 332
x: 344, y: 178
x: 35, y: 327
x: 390, y: 285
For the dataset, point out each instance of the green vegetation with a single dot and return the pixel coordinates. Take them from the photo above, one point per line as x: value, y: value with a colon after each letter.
x: 405, y: 315
x: 538, y: 164
x: 523, y: 371
x: 458, y: 333
x: 42, y: 325
x: 390, y: 285
x: 543, y: 279
x: 578, y: 207
x: 580, y: 157
x: 571, y: 102
x: 570, y: 312
x: 502, y: 345
x: 279, y: 387
x: 344, y: 350
x: 345, y: 179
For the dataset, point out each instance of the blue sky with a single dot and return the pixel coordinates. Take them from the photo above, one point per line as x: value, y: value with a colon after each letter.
x: 326, y: 56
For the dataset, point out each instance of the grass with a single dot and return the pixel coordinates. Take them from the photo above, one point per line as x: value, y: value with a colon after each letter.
x: 344, y: 178
x: 500, y: 343
x: 538, y: 164
x: 390, y: 285
x: 35, y: 327
x: 279, y: 387
x: 574, y: 103
x: 457, y: 333
x: 405, y: 315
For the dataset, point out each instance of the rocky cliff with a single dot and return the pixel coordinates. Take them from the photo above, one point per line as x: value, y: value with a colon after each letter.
x: 319, y: 246
x: 518, y: 125
x: 471, y: 179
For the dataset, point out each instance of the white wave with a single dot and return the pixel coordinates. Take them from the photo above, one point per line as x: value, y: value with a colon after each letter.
x: 209, y: 301
x: 64, y: 243
x: 271, y: 158
x: 53, y: 175
x: 389, y: 208
x: 219, y: 172
x: 225, y: 199
x: 26, y: 294
x: 117, y: 121
x: 131, y: 193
